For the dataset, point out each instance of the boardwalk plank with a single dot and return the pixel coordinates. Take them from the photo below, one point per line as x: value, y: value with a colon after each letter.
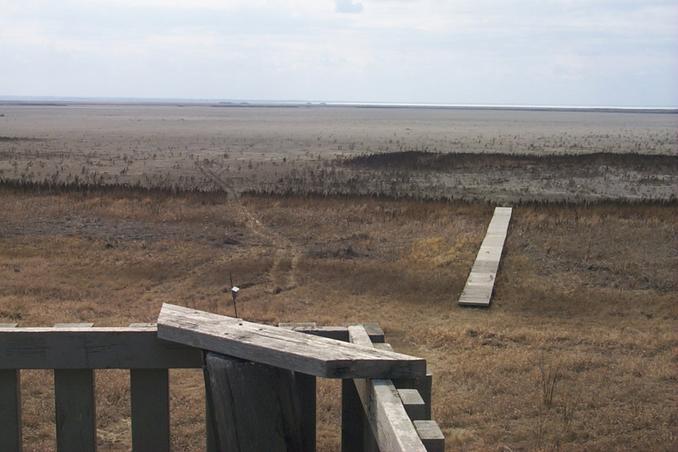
x: 480, y: 283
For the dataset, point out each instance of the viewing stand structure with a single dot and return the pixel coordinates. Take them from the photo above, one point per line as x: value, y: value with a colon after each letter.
x: 260, y: 382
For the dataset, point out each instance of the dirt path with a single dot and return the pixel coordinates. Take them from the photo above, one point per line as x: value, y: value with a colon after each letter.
x: 286, y: 257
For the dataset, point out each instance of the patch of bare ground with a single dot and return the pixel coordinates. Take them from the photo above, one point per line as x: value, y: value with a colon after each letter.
x: 577, y: 352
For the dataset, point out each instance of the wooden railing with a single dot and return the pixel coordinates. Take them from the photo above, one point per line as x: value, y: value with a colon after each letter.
x: 376, y: 414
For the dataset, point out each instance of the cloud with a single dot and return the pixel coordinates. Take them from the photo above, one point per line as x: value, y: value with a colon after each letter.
x: 347, y: 6
x: 621, y: 52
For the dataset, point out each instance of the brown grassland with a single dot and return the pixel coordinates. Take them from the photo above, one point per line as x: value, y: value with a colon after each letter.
x: 577, y: 352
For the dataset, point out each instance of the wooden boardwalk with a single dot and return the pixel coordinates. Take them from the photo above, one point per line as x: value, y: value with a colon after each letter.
x: 480, y: 282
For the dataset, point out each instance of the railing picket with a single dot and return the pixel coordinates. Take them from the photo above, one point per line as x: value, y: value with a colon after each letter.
x: 75, y: 410
x: 150, y: 410
x: 75, y: 405
x: 306, y: 388
x: 10, y: 406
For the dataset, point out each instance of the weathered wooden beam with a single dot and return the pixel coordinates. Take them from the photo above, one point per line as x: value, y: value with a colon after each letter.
x: 256, y: 407
x: 92, y: 348
x: 150, y: 410
x: 390, y: 424
x: 430, y: 435
x: 282, y: 348
x: 10, y: 407
x: 75, y: 410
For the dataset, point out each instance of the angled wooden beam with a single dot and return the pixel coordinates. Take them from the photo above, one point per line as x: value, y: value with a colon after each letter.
x: 282, y: 348
x: 480, y: 283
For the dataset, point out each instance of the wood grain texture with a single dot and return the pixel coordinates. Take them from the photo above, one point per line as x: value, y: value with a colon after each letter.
x: 282, y: 348
x: 256, y: 407
x: 75, y: 410
x: 92, y: 348
x: 480, y: 282
x: 388, y: 420
x: 150, y: 410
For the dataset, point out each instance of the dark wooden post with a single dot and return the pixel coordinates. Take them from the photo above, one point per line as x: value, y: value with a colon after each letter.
x: 256, y: 407
x: 353, y: 418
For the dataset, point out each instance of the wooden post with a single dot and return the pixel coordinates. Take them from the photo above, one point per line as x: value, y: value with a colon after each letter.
x: 353, y: 419
x: 150, y: 410
x: 255, y: 406
x: 305, y: 386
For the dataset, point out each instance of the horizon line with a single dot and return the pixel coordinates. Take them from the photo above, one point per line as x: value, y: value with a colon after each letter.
x: 226, y: 102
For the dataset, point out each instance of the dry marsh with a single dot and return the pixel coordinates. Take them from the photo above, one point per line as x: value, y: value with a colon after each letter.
x: 577, y: 352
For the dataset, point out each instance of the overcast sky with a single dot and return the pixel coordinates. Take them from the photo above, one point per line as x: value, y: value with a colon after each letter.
x: 538, y: 52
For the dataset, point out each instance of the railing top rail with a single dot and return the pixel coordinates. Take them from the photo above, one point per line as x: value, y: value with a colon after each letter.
x: 131, y: 347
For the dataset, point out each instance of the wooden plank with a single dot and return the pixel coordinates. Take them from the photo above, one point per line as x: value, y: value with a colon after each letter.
x: 75, y: 410
x: 10, y: 407
x: 300, y: 325
x: 385, y: 412
x: 256, y: 406
x: 414, y: 404
x: 339, y: 333
x: 282, y: 348
x: 430, y: 435
x: 150, y: 410
x: 480, y: 283
x: 92, y: 348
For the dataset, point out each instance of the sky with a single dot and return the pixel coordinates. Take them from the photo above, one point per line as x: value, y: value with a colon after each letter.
x: 515, y: 52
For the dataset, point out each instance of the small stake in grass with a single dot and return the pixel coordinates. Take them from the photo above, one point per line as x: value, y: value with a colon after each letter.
x: 234, y: 294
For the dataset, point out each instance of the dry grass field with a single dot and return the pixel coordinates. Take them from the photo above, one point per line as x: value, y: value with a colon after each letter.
x: 577, y: 352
